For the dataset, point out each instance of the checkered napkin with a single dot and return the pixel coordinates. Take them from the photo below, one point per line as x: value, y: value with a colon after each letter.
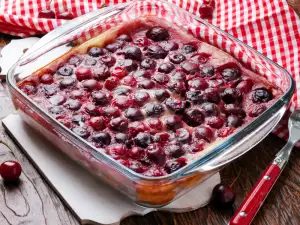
x: 271, y: 27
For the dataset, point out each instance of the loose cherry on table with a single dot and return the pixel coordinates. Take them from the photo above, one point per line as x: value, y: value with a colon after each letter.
x: 10, y: 171
x: 47, y: 14
x: 223, y: 196
x: 207, y: 8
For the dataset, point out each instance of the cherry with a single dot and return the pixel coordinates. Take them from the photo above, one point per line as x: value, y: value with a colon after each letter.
x: 122, y: 102
x: 129, y: 80
x: 175, y: 150
x: 215, y: 122
x: 261, y: 95
x: 178, y: 76
x: 183, y: 135
x: 114, y: 46
x: 161, y: 94
x: 141, y: 41
x: 67, y: 82
x: 175, y: 105
x: 154, y: 109
x: 135, y: 128
x: 47, y: 14
x: 65, y: 71
x: 245, y: 86
x: 234, y: 121
x: 169, y: 45
x: 141, y: 97
x: 146, y: 84
x: 141, y: 74
x: 101, y: 138
x: 100, y: 98
x: 161, y: 137
x: 223, y: 196
x: 128, y: 64
x: 136, y: 153
x: 143, y: 140
x: 230, y: 74
x: 233, y: 109
x: 98, y: 123
x: 134, y: 114
x: 50, y: 90
x: 207, y: 71
x: 101, y: 72
x: 176, y: 58
x: 124, y: 37
x: 81, y: 132
x: 215, y: 83
x: 155, y: 123
x: 119, y: 124
x: 10, y: 171
x: 173, y: 165
x: 177, y: 86
x: 119, y: 72
x: 133, y: 52
x: 156, y: 153
x: 111, y: 83
x: 108, y: 60
x: 173, y: 122
x: 122, y: 90
x: 92, y: 110
x: 83, y: 73
x: 225, y: 131
x: 166, y: 68
x: 157, y: 34
x: 156, y: 52
x: 193, y: 117
x: 257, y: 110
x: 189, y: 67
x: 56, y: 110
x: 161, y: 78
x: 137, y: 166
x: 46, y: 79
x: 121, y: 138
x: 206, y: 11
x: 231, y: 95
x: 197, y: 84
x: 111, y: 111
x: 96, y: 51
x: 148, y: 64
x: 90, y: 62
x: 58, y: 99
x: 91, y: 85
x: 117, y: 151
x: 195, y: 96
x: 73, y: 104
x: 200, y: 58
x: 204, y: 133
x: 65, y: 16
x: 188, y: 48
x: 210, y: 109
x: 75, y: 60
x: 197, y: 146
x: 212, y: 95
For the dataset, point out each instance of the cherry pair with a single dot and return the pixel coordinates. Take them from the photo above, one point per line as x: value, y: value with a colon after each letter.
x: 49, y: 14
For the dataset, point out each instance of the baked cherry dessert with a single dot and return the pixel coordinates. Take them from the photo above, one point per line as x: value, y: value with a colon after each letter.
x: 150, y: 95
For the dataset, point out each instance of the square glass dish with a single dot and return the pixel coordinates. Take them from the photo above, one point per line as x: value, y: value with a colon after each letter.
x: 99, y: 28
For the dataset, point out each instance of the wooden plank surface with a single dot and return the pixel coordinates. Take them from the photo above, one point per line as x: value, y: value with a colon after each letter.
x: 33, y: 202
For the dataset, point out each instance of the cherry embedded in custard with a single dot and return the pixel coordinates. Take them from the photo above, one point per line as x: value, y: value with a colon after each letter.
x: 156, y: 153
x: 141, y: 97
x: 173, y: 122
x: 83, y: 73
x: 91, y: 85
x: 261, y: 95
x: 183, y: 135
x: 256, y: 110
x: 96, y: 51
x: 166, y: 68
x: 146, y: 84
x: 133, y: 114
x: 136, y: 127
x: 204, y: 133
x: 207, y: 71
x: 143, y: 140
x: 119, y: 72
x: 173, y: 165
x: 122, y: 102
x: 197, y: 84
x: 148, y: 64
x: 111, y: 83
x: 119, y: 124
x: 111, y: 111
x: 188, y: 48
x: 157, y: 34
x: 101, y: 138
x: 193, y: 117
x: 97, y: 123
x: 124, y: 37
x: 46, y: 14
x: 154, y: 109
x: 132, y: 52
x: 10, y: 171
x: 230, y: 74
x: 65, y: 71
x: 100, y: 98
x: 156, y: 52
x: 129, y: 80
x: 161, y: 94
x: 176, y: 58
x: 46, y: 79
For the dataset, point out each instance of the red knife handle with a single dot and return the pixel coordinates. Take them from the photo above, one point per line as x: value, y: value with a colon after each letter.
x: 247, y: 211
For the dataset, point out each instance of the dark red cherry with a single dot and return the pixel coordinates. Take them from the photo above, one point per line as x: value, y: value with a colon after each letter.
x: 129, y: 81
x: 81, y: 132
x: 78, y: 119
x: 161, y: 94
x: 177, y: 86
x: 111, y: 83
x: 166, y: 68
x: 212, y: 95
x: 156, y: 153
x: 98, y: 123
x: 193, y: 117
x: 117, y: 151
x: 207, y: 71
x: 225, y: 131
x: 223, y: 196
x: 195, y: 96
x: 136, y: 127
x: 65, y: 16
x: 231, y: 95
x: 121, y: 138
x: 50, y: 89
x: 96, y: 51
x: 197, y: 84
x: 136, y: 153
x: 261, y: 95
x: 143, y: 140
x: 175, y: 105
x: 230, y: 74
x: 10, y: 171
x: 141, y: 74
x: 176, y: 58
x: 124, y: 37
x: 133, y: 52
x: 134, y: 114
x: 114, y: 46
x: 46, y: 79
x: 234, y: 121
x: 173, y: 122
x: 92, y: 110
x: 161, y: 137
x: 173, y: 165
x: 91, y: 85
x: 178, y: 76
x: 146, y: 84
x: 73, y: 104
x: 141, y: 97
x: 210, y: 109
x: 155, y: 123
x: 122, y: 90
x: 148, y: 64
x: 141, y: 41
x: 75, y: 60
x: 111, y: 111
x: 189, y: 67
x: 100, y: 97
x: 215, y: 122
x: 67, y: 82
x: 183, y: 135
x: 188, y: 48
x: 83, y: 73
x: 90, y: 62
x: 128, y: 64
x: 119, y: 124
x: 156, y: 52
x: 137, y: 166
x: 206, y: 11
x: 233, y: 109
x: 122, y: 102
x: 204, y: 133
x: 101, y: 72
x: 58, y: 99
x: 119, y: 72
x: 47, y: 14
x: 257, y: 110
x: 169, y: 45
x: 101, y: 138
x: 157, y: 34
x: 245, y: 86
x: 154, y: 109
x: 108, y: 60
x: 161, y: 78
x: 65, y: 71
x: 175, y: 150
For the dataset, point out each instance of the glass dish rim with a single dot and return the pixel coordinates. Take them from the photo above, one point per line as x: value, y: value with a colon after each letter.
x: 284, y: 99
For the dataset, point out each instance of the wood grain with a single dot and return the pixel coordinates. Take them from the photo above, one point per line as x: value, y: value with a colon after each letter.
x: 32, y: 202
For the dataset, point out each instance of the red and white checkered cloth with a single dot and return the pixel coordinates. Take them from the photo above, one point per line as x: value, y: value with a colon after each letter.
x: 271, y: 27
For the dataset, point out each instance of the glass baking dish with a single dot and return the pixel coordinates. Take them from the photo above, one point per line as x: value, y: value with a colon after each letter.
x: 144, y: 190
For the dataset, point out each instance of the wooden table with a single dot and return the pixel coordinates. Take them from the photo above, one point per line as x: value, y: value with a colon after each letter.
x: 33, y: 202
